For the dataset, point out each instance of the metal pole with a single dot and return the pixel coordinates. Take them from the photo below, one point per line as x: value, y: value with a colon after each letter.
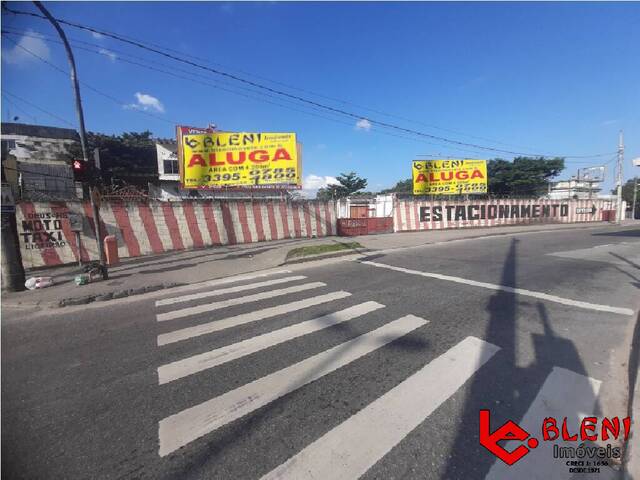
x: 83, y: 136
x: 635, y: 192
x: 619, y: 180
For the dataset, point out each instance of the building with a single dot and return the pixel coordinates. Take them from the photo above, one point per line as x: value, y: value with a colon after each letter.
x: 168, y: 187
x: 573, y: 188
x: 365, y: 206
x: 36, y: 161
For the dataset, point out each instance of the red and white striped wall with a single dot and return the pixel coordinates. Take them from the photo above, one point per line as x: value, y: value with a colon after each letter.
x: 407, y: 213
x: 156, y: 227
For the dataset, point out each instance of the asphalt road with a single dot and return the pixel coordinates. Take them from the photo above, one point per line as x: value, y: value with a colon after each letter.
x: 375, y: 368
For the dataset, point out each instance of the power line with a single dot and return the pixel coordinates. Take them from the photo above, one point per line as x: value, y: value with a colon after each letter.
x: 95, y: 90
x: 207, y: 83
x: 19, y: 108
x: 38, y: 108
x: 296, y: 97
x: 345, y: 102
x: 384, y: 132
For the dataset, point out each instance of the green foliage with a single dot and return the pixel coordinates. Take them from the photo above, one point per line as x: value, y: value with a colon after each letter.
x: 523, y: 176
x: 627, y: 191
x: 403, y: 186
x: 129, y: 158
x: 349, y: 184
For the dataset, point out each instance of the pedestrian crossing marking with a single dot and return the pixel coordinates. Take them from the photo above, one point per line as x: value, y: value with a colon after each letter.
x: 225, y: 281
x: 224, y: 291
x: 184, y: 427
x: 197, y: 363
x: 353, y: 447
x: 209, y: 307
x: 217, y: 325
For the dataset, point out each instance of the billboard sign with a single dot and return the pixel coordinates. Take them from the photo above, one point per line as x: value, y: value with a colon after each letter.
x: 238, y: 159
x: 449, y: 177
x: 591, y: 174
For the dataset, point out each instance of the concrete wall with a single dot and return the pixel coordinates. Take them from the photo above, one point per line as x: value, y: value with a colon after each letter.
x: 156, y: 227
x: 485, y: 213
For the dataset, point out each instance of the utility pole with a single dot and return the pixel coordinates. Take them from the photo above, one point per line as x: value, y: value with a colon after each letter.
x: 635, y: 192
x: 10, y: 258
x: 93, y: 175
x: 619, y: 213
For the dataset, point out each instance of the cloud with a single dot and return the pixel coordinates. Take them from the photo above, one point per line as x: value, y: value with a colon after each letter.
x: 312, y: 183
x: 31, y: 41
x: 108, y: 53
x: 321, y: 146
x: 226, y: 8
x: 363, y: 124
x: 97, y: 36
x: 146, y: 102
x: 608, y: 122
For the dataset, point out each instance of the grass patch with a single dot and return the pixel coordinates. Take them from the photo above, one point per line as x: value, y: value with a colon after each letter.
x: 323, y: 248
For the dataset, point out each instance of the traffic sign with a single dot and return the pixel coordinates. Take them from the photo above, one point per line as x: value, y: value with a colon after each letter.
x: 75, y: 221
x: 8, y: 202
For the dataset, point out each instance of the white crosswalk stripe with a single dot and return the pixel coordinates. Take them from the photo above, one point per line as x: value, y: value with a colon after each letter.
x: 563, y: 394
x: 225, y: 291
x: 224, y: 281
x: 217, y: 325
x: 209, y: 307
x: 184, y: 427
x: 203, y: 361
x: 350, y: 449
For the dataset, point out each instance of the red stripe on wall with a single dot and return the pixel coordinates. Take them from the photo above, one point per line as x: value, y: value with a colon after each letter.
x: 272, y: 221
x: 172, y: 225
x: 121, y: 216
x: 297, y: 228
x: 407, y: 213
x: 307, y: 219
x: 244, y: 222
x: 318, y: 220
x: 49, y: 254
x: 228, y: 223
x: 210, y: 219
x: 62, y: 208
x: 192, y: 224
x: 150, y: 227
x: 257, y: 215
x: 285, y: 220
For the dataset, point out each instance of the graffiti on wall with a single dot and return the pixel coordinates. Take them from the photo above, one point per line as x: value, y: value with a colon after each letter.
x: 43, y: 230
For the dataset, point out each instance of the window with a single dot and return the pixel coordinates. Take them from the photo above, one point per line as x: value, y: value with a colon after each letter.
x: 170, y: 166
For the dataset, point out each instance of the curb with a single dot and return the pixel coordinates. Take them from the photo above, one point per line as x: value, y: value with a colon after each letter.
x: 321, y: 256
x: 97, y: 297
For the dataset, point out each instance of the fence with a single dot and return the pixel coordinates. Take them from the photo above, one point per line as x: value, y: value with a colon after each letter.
x: 411, y: 215
x: 154, y: 227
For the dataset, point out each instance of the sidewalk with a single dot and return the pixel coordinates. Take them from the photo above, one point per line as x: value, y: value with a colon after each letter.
x: 144, y: 274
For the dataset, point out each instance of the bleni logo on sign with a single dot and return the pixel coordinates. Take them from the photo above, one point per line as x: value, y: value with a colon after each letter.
x: 449, y: 177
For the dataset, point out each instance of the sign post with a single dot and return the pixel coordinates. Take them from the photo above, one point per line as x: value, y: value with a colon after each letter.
x: 75, y: 222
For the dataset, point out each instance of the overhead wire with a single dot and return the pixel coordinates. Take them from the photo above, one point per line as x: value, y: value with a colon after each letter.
x: 350, y: 114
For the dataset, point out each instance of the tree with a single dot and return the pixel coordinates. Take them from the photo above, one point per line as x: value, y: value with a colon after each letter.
x: 403, y: 186
x: 349, y: 183
x: 523, y: 176
x: 129, y: 158
x: 627, y: 193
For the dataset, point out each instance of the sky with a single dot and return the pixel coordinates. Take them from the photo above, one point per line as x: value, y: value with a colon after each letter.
x: 541, y: 78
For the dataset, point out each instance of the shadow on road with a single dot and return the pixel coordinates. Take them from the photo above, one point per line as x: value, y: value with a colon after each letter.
x: 502, y: 386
